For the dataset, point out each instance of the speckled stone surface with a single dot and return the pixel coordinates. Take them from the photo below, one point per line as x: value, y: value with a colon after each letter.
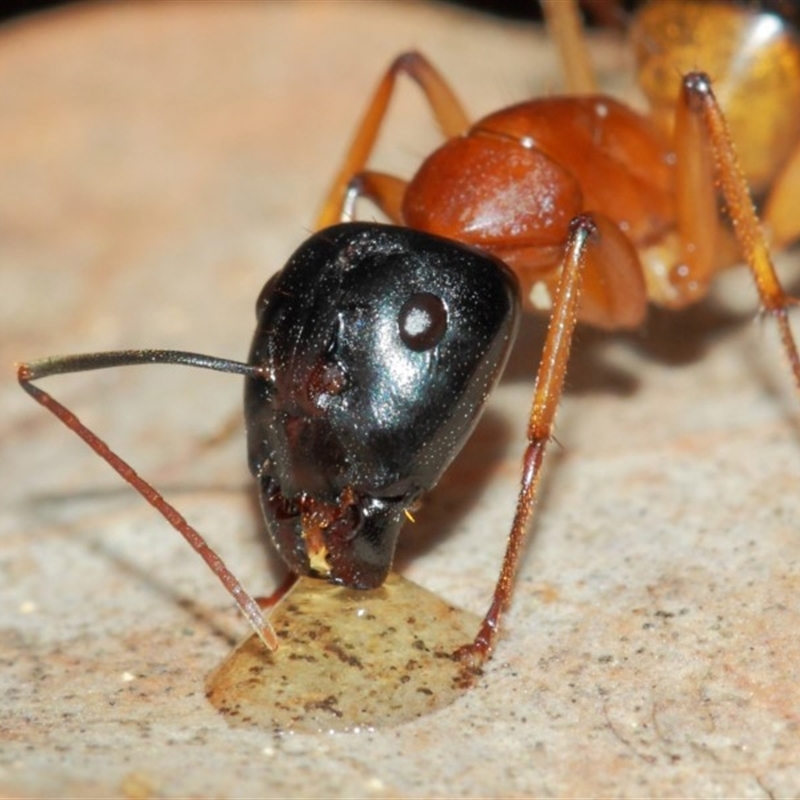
x: 157, y: 163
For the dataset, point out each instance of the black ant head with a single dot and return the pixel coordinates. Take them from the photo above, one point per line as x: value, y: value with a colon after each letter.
x: 377, y: 347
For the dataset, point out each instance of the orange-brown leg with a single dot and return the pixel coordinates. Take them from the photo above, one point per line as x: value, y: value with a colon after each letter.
x: 547, y: 393
x: 444, y: 104
x: 565, y: 27
x: 696, y: 208
x: 385, y: 191
x: 699, y: 100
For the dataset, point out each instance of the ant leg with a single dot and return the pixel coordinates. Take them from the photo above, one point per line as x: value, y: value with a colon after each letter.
x: 697, y: 215
x: 613, y: 288
x: 547, y: 393
x: 444, y: 104
x: 385, y: 191
x: 565, y: 26
x: 27, y: 373
x: 699, y: 100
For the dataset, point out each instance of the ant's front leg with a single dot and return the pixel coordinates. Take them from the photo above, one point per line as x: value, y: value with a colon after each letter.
x: 584, y: 241
x: 446, y: 107
x: 385, y: 191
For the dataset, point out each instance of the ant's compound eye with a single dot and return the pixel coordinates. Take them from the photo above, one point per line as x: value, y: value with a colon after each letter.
x: 422, y: 321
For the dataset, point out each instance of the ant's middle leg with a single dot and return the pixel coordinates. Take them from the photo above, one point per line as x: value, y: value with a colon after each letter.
x: 586, y: 242
x: 699, y: 111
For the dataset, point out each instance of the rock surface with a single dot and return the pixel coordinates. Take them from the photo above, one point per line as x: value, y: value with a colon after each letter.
x: 157, y: 163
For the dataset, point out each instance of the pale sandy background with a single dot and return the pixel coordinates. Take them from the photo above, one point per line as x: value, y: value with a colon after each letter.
x: 157, y: 163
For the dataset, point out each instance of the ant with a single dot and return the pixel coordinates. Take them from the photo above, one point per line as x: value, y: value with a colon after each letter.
x: 373, y: 357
